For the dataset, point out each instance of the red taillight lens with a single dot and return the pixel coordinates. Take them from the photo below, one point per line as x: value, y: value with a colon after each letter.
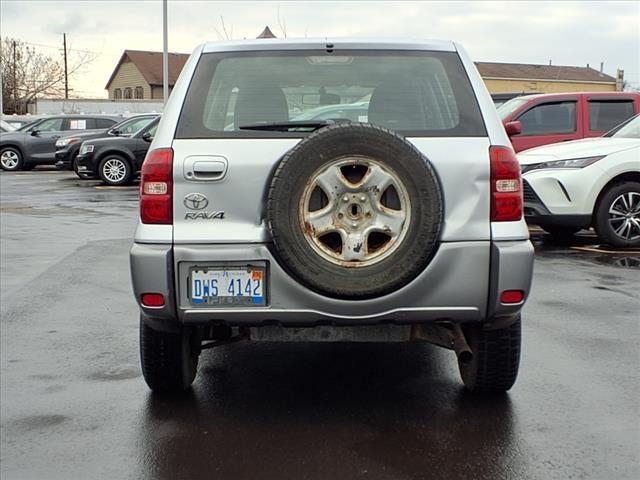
x: 506, y: 185
x: 512, y: 296
x: 152, y: 300
x: 156, y: 187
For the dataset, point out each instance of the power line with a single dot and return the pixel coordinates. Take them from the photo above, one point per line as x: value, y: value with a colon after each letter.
x: 58, y: 48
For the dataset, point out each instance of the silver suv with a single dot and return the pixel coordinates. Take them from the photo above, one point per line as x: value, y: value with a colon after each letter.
x: 261, y: 222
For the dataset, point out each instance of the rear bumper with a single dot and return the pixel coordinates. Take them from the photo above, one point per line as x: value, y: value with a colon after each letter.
x: 461, y: 284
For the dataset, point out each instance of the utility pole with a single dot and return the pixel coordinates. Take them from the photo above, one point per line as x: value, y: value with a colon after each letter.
x: 15, y: 81
x: 165, y: 54
x: 66, y: 78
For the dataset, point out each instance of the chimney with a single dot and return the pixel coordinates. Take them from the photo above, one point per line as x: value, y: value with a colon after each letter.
x: 588, y: 66
x: 601, y: 66
x: 549, y: 62
x: 619, y: 80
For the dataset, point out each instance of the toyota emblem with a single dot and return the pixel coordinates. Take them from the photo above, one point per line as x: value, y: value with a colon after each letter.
x: 196, y: 201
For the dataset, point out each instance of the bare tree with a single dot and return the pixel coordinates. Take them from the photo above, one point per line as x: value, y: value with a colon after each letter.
x: 28, y: 73
x: 223, y: 33
x: 282, y: 24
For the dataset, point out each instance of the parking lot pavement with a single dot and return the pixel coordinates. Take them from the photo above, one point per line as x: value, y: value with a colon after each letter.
x: 73, y: 403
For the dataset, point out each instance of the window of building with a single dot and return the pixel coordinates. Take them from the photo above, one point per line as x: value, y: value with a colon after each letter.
x: 127, y: 92
x: 606, y: 114
x: 117, y: 93
x: 139, y: 93
x: 549, y: 118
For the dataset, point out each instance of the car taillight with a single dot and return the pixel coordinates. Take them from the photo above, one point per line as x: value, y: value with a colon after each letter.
x: 156, y: 187
x: 506, y: 185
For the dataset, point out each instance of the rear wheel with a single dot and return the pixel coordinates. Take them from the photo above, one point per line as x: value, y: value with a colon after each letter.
x: 169, y: 360
x: 617, y: 216
x: 115, y: 170
x: 11, y: 159
x: 354, y: 211
x: 496, y: 358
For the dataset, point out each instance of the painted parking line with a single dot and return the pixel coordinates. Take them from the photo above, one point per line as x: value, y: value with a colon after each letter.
x: 597, y: 249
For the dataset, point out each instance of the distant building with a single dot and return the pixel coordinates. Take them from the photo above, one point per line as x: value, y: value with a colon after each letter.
x: 526, y: 78
x: 138, y: 75
x: 266, y: 33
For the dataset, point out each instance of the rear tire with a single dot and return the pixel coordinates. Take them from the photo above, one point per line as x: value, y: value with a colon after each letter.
x: 606, y: 223
x: 496, y: 358
x: 169, y: 360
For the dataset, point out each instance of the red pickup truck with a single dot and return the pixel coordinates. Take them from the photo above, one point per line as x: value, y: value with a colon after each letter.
x: 534, y: 120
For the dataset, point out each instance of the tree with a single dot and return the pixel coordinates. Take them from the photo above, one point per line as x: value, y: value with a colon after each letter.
x: 28, y: 74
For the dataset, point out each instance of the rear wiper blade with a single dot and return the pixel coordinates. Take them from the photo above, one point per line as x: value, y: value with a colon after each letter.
x: 291, y: 125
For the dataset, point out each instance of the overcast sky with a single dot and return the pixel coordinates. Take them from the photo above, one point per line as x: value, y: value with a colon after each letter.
x: 567, y: 33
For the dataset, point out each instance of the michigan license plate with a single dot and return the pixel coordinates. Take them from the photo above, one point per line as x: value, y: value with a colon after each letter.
x: 228, y: 286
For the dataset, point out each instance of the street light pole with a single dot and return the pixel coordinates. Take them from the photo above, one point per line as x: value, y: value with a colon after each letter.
x: 165, y: 54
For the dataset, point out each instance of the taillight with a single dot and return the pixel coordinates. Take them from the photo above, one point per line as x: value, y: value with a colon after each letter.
x: 506, y: 185
x: 156, y: 187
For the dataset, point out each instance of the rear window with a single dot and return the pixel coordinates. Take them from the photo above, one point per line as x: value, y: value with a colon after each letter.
x: 415, y: 93
x: 606, y: 114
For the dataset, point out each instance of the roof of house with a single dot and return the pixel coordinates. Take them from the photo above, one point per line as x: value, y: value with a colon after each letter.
x: 150, y: 65
x: 266, y: 33
x: 526, y: 71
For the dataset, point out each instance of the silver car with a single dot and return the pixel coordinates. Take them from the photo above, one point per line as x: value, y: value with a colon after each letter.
x: 405, y: 225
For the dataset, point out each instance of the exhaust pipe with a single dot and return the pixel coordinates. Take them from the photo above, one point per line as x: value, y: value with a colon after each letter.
x: 460, y: 345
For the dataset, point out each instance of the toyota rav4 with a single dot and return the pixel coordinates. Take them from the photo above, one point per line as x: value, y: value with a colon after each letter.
x: 257, y: 223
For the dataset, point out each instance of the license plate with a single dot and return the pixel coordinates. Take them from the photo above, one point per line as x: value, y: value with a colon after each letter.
x: 227, y: 286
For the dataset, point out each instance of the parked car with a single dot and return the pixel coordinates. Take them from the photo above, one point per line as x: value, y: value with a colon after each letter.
x: 67, y: 147
x: 19, y: 121
x: 502, y: 98
x: 116, y: 160
x: 356, y: 112
x: 278, y: 225
x: 6, y: 127
x: 35, y: 144
x: 586, y: 183
x: 535, y: 120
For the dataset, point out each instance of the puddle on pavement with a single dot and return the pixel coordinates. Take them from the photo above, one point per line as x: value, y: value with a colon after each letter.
x: 585, y: 246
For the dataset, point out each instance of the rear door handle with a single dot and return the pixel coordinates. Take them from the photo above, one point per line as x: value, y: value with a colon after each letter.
x: 205, y: 167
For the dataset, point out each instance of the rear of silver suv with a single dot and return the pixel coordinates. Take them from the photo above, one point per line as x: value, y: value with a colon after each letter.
x: 342, y: 190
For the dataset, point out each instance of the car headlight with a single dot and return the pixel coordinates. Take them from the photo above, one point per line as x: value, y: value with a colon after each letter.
x: 86, y: 149
x: 63, y: 142
x: 570, y: 163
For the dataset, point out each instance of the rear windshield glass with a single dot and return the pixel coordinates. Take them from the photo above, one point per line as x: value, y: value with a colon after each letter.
x: 415, y: 93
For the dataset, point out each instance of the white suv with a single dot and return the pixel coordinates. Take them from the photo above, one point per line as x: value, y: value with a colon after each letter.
x: 403, y: 225
x: 595, y: 182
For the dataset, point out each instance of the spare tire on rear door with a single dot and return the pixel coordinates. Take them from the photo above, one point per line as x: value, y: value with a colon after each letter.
x: 354, y: 211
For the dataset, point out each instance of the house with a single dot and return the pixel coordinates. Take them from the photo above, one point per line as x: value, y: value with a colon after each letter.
x: 138, y: 75
x: 527, y: 78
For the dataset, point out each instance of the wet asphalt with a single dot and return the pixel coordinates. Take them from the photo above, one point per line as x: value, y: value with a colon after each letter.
x: 73, y: 404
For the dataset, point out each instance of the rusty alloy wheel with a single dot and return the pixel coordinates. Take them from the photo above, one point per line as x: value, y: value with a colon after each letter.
x: 363, y: 215
x: 354, y: 211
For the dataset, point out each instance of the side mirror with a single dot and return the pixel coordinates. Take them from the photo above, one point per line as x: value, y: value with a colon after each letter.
x: 147, y: 137
x: 35, y: 133
x: 513, y: 128
x: 115, y: 132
